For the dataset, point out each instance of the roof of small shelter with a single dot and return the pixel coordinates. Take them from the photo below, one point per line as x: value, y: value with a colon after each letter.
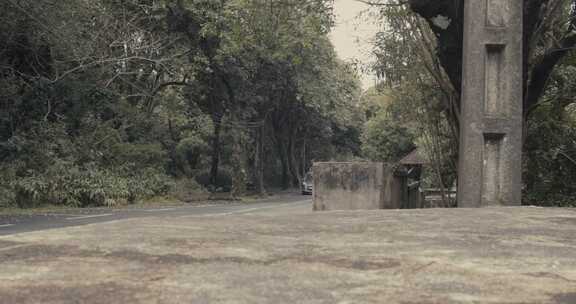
x: 416, y: 157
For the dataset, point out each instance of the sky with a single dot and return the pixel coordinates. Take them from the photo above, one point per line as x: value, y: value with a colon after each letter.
x: 351, y: 36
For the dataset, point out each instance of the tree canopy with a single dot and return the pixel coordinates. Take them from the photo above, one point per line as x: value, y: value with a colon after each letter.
x: 419, y: 58
x: 108, y: 101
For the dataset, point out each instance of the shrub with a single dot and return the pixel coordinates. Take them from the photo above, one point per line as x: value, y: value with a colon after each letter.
x: 65, y: 184
x: 549, y: 200
x: 386, y: 140
x: 186, y: 189
x: 223, y: 181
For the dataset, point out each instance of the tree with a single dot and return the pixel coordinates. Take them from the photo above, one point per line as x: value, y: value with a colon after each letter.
x: 429, y: 33
x: 296, y: 81
x: 126, y: 97
x: 386, y: 140
x: 420, y: 94
x: 549, y: 35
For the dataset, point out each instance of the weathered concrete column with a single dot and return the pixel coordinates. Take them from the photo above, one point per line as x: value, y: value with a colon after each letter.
x: 490, y: 166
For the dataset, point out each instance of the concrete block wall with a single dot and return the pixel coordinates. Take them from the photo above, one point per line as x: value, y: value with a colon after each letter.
x: 355, y: 186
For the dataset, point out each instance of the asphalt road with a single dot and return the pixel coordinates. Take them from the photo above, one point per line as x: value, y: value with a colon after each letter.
x: 12, y: 224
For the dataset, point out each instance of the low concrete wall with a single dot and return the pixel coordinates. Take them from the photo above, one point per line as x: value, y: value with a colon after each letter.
x: 355, y: 186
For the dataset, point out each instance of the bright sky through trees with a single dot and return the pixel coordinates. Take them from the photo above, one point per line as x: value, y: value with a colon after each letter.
x: 351, y: 36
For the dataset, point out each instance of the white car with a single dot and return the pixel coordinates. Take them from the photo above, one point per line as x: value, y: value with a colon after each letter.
x: 308, y: 184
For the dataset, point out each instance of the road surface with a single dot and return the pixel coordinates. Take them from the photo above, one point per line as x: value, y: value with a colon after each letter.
x: 11, y: 224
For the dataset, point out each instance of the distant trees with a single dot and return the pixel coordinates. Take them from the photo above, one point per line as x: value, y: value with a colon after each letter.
x: 271, y: 67
x: 385, y: 139
x: 139, y: 92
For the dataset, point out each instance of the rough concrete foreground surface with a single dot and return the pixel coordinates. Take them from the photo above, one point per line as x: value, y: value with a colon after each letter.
x: 293, y: 255
x: 355, y: 186
x: 490, y: 168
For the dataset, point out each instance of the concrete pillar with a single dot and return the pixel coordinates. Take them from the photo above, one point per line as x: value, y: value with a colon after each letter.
x: 490, y: 166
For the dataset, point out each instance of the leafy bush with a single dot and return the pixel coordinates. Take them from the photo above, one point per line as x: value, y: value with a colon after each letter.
x: 7, y: 196
x: 550, y: 158
x: 143, y: 154
x: 386, y: 140
x: 533, y: 198
x: 223, y: 181
x: 188, y: 153
x: 65, y: 184
x: 187, y: 189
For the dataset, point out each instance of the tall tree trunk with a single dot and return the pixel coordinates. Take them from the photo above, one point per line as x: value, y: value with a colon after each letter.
x: 238, y: 172
x: 216, y: 147
x: 282, y: 153
x: 279, y: 124
x: 303, y: 158
x: 292, y: 163
x: 259, y: 162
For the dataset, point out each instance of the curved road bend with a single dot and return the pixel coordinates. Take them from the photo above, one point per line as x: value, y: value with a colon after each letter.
x: 12, y: 224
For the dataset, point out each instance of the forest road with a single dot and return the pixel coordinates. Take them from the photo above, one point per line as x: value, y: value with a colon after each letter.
x: 11, y: 224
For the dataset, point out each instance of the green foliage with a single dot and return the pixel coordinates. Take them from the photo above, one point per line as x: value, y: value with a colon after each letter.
x: 147, y: 155
x: 548, y: 199
x: 223, y: 181
x: 550, y: 144
x: 374, y: 101
x: 386, y: 140
x: 550, y: 159
x: 187, y: 189
x: 7, y: 195
x: 188, y: 153
x: 100, y: 109
x: 420, y: 94
x: 69, y: 185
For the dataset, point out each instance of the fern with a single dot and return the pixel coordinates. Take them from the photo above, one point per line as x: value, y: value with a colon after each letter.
x: 66, y: 184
